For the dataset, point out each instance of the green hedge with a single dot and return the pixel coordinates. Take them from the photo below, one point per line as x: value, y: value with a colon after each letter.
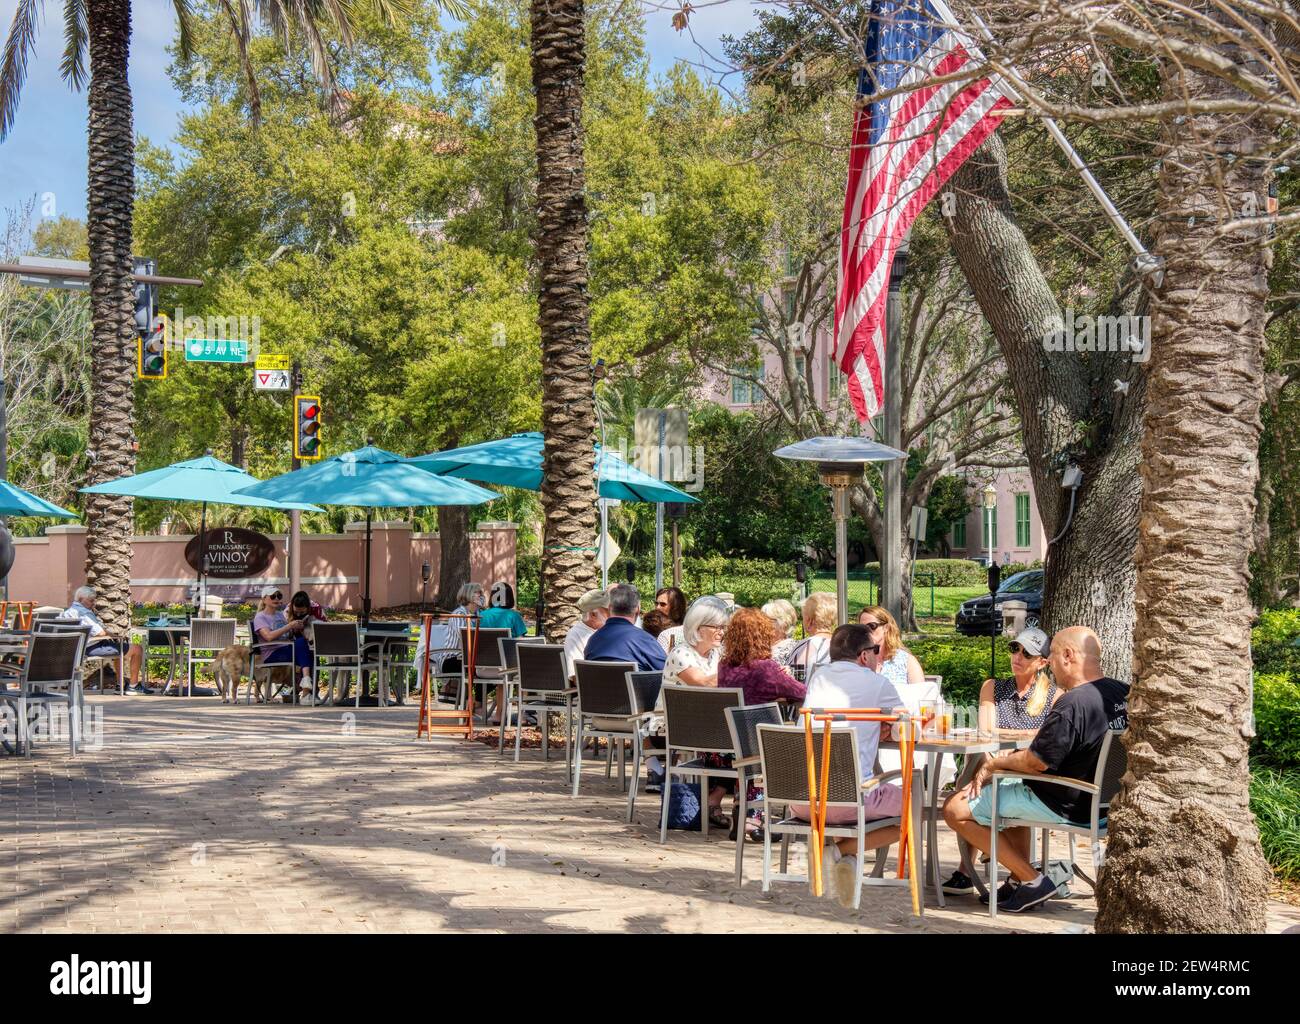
x: 955, y: 572
x: 754, y: 581
x: 1272, y: 642
x: 1277, y: 721
x: 963, y: 662
x: 1275, y: 801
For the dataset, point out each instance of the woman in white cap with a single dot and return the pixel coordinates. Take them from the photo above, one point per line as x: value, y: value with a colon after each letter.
x: 280, y: 636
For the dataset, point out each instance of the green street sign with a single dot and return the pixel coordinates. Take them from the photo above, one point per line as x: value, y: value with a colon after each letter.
x: 216, y: 350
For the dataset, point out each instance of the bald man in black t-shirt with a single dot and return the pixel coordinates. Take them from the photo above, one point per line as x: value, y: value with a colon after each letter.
x: 1067, y: 746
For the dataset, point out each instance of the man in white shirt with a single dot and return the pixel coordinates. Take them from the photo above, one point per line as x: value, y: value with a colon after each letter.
x: 100, y: 645
x: 851, y: 681
x: 593, y: 606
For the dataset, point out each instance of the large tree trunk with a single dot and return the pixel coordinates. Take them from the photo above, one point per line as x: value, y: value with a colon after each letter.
x: 1184, y: 853
x: 109, y: 201
x: 453, y: 553
x: 1069, y: 409
x: 568, y: 409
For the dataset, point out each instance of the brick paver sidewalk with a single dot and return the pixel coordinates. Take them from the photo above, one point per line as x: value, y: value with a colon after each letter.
x: 194, y: 816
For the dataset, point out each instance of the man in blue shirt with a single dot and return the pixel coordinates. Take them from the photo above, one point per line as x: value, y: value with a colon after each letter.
x: 620, y: 638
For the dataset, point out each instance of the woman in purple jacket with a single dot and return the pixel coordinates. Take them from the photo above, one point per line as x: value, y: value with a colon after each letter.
x: 747, y: 660
x: 747, y: 663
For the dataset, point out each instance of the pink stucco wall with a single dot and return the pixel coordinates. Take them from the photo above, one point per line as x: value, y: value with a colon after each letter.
x: 48, y: 569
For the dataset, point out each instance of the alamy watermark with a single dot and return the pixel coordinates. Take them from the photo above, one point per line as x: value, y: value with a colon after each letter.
x: 1085, y: 333
x: 682, y: 463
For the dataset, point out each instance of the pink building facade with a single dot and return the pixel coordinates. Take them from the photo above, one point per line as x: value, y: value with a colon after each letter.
x: 49, y: 569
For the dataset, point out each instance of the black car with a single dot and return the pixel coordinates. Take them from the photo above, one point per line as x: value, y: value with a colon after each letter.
x: 982, y: 616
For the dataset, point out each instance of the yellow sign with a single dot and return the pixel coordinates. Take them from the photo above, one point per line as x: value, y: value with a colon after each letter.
x: 272, y: 362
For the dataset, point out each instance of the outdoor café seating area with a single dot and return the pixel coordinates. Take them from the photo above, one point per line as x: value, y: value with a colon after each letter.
x: 794, y: 774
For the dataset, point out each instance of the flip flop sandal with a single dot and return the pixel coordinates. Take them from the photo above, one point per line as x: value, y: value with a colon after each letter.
x: 719, y: 820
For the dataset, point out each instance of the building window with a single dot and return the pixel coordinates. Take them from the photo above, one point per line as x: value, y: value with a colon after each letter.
x: 790, y: 263
x: 801, y: 367
x: 1022, y: 520
x: 788, y: 304
x: 989, y: 517
x: 834, y: 379
x: 959, y: 535
x: 744, y: 387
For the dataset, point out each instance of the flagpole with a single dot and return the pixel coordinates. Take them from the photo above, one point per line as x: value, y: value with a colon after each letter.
x: 1143, y: 261
x: 891, y: 559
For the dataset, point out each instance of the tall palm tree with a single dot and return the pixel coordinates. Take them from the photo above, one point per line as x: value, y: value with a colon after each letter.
x: 568, y: 407
x: 1184, y: 853
x: 101, y: 30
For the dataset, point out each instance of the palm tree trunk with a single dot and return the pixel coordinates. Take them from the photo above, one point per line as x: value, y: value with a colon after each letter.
x: 109, y: 202
x: 1184, y: 853
x: 568, y: 409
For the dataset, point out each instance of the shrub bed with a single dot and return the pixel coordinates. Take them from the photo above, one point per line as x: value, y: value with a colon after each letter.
x: 1275, y: 801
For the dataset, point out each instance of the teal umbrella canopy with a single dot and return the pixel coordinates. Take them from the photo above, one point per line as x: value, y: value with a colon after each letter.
x: 203, y: 479
x: 516, y: 461
x: 372, y: 478
x: 14, y: 501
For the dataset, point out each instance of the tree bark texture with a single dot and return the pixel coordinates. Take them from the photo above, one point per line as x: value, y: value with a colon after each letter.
x: 109, y: 200
x: 1184, y: 853
x: 1071, y: 411
x: 453, y: 554
x: 568, y: 402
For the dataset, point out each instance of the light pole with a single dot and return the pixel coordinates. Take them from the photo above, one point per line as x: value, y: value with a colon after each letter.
x: 990, y: 503
x: 839, y: 466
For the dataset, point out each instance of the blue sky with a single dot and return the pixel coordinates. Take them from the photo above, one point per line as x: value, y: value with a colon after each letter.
x: 44, y: 156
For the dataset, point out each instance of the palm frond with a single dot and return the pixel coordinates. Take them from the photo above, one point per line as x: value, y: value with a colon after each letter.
x: 13, y: 63
x: 184, y: 43
x: 76, y: 42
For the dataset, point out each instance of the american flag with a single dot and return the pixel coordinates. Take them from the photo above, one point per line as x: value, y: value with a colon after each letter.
x: 904, y: 148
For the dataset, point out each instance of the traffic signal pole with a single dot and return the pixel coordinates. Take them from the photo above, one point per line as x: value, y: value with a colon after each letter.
x: 295, y: 516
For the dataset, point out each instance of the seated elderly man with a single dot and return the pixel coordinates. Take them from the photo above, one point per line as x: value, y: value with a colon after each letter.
x: 100, y: 645
x: 620, y: 638
x: 1068, y: 745
x: 593, y: 607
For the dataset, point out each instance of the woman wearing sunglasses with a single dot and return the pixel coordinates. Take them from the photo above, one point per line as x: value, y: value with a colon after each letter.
x: 897, y: 663
x: 1020, y: 701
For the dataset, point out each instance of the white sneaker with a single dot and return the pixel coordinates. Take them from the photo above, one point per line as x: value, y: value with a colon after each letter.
x: 844, y: 878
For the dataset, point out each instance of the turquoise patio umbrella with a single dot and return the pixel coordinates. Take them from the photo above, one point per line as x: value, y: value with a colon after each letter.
x: 205, y: 480
x: 372, y: 478
x: 14, y: 501
x: 516, y: 461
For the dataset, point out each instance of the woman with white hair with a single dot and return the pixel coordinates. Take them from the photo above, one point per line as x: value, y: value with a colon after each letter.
x: 782, y: 615
x: 694, y: 661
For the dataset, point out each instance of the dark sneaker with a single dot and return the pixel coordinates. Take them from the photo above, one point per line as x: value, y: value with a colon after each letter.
x: 958, y: 885
x: 654, y: 782
x: 1004, y: 891
x: 1029, y: 895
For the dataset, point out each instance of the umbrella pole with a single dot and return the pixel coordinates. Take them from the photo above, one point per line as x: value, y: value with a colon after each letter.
x: 365, y: 599
x: 203, y: 559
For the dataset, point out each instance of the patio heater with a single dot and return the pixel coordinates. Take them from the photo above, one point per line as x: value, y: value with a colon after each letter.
x: 840, y: 462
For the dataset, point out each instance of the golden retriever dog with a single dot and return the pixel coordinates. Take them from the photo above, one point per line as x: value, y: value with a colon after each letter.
x: 228, y: 668
x: 231, y: 665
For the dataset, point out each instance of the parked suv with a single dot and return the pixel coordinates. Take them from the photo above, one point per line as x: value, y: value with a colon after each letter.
x: 982, y: 616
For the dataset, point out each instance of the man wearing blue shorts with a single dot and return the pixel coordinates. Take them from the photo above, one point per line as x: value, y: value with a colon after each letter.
x: 1067, y: 746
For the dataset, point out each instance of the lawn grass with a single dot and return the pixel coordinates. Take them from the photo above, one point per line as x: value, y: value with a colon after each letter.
x: 946, y: 599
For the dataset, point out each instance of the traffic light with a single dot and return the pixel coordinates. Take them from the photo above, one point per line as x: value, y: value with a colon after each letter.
x: 146, y: 296
x: 306, y: 427
x: 151, y: 351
